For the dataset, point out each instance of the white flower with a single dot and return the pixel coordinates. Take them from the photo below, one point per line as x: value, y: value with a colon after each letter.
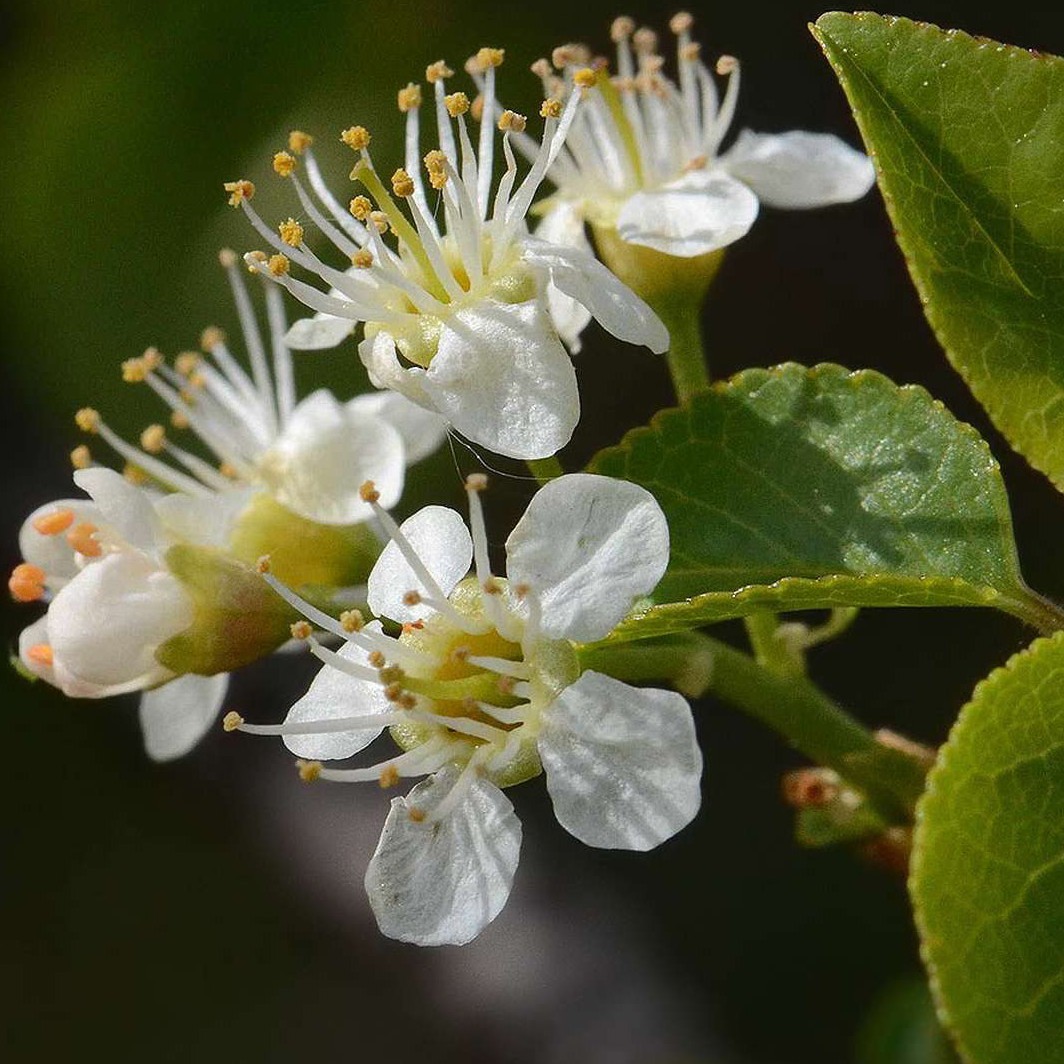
x: 311, y: 456
x: 112, y: 602
x: 643, y: 154
x: 456, y: 303
x: 483, y: 689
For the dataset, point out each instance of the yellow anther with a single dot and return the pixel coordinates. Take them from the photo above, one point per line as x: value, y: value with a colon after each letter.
x: 476, y: 108
x: 152, y: 358
x: 278, y: 265
x: 521, y: 590
x: 476, y: 482
x: 389, y: 777
x: 457, y: 104
x: 376, y: 659
x: 436, y: 165
x: 80, y: 539
x: 153, y: 439
x: 308, y: 771
x: 407, y: 701
x: 227, y: 469
x: 301, y: 630
x: 368, y: 492
x: 412, y: 598
x: 352, y: 620
x: 135, y: 475
x: 390, y: 674
x: 409, y: 98
x: 541, y: 68
x: 228, y: 258
x: 691, y: 51
x: 179, y: 420
x: 41, y: 654
x: 393, y: 692
x: 134, y: 370
x: 585, y: 78
x: 491, y: 586
x: 239, y: 191
x: 211, y: 337
x: 284, y: 164
x: 53, y: 523
x: 727, y: 64
x: 437, y: 72
x: 645, y: 41
x: 460, y: 654
x: 489, y: 57
x: 26, y: 583
x: 511, y: 121
x: 622, y: 28
x: 681, y: 22
x: 186, y: 363
x: 291, y: 232
x: 196, y: 381
x: 87, y: 419
x: 362, y: 259
x: 415, y: 814
x: 263, y: 564
x: 361, y: 207
x: 81, y: 457
x: 379, y: 220
x: 551, y: 109
x: 402, y: 183
x: 299, y: 142
x: 232, y: 721
x: 438, y: 179
x: 357, y: 138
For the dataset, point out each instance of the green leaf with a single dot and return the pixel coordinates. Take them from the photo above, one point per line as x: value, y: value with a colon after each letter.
x: 967, y: 139
x: 799, y: 488
x: 988, y: 866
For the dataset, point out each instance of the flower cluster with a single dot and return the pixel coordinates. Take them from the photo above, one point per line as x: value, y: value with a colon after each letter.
x: 483, y: 689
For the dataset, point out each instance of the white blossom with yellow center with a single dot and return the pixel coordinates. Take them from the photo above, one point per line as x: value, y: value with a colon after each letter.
x: 454, y: 300
x: 643, y: 156
x: 310, y: 455
x: 482, y: 690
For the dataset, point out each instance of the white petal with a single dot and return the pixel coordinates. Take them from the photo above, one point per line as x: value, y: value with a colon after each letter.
x: 379, y: 356
x: 623, y: 764
x: 324, y: 456
x: 503, y: 379
x: 441, y: 883
x: 334, y: 694
x: 441, y: 540
x: 125, y: 507
x: 177, y: 715
x: 107, y: 622
x: 701, y: 212
x: 588, y: 546
x: 563, y: 224
x: 422, y: 430
x: 34, y: 635
x: 318, y: 333
x: 612, y: 303
x: 203, y: 521
x: 54, y: 554
x: 799, y: 169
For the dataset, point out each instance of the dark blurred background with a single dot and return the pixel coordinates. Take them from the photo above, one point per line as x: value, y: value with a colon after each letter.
x: 213, y: 909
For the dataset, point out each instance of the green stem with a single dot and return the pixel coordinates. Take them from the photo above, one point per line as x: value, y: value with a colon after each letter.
x: 545, y: 469
x: 770, y: 651
x: 686, y: 357
x: 1035, y: 610
x: 787, y: 702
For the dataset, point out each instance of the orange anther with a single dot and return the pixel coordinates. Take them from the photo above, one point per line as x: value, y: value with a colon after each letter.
x: 41, y: 654
x: 80, y: 538
x: 54, y: 523
x: 26, y: 583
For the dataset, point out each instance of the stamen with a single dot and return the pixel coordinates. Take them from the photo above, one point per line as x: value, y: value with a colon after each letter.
x: 409, y: 98
x: 291, y: 232
x: 81, y: 457
x: 239, y: 191
x: 80, y: 538
x: 299, y: 142
x: 357, y: 138
x: 284, y: 164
